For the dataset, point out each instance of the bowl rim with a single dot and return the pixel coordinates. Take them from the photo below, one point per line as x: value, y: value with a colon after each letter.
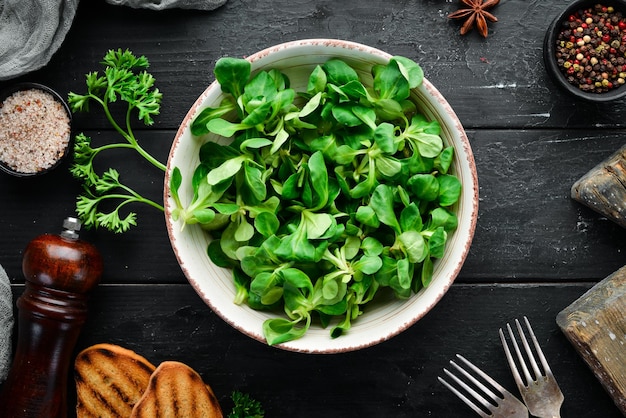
x: 435, y: 293
x: 549, y: 52
x: 30, y: 85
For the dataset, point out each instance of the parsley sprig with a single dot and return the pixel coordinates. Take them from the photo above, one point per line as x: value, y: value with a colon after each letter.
x: 245, y: 406
x: 124, y: 79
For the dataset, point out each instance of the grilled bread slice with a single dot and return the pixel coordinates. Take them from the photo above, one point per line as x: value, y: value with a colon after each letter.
x: 109, y: 381
x: 176, y: 390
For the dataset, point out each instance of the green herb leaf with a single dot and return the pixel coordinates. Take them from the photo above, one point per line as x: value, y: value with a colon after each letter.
x: 226, y: 170
x: 245, y: 406
x: 382, y: 203
x: 232, y: 74
x: 449, y: 190
x: 414, y: 245
x: 126, y: 80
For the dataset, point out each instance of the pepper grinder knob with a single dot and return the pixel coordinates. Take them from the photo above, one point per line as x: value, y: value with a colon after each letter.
x: 60, y: 271
x: 71, y: 226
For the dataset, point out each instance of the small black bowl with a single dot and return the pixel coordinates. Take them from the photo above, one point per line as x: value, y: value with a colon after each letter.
x: 549, y: 51
x: 62, y: 153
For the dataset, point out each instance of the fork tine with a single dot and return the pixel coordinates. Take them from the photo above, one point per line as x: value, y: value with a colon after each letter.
x: 542, y: 358
x: 477, y: 396
x: 542, y: 395
x: 529, y: 353
x: 461, y: 396
x: 498, y: 405
x: 509, y: 358
x: 520, y: 358
x: 482, y: 374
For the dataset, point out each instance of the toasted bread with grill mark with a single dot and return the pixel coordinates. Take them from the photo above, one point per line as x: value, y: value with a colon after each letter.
x: 177, y: 390
x: 109, y: 381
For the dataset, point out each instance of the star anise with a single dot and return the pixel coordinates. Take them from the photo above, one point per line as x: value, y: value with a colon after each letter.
x: 476, y: 14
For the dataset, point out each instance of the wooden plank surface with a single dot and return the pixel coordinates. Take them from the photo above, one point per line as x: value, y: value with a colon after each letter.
x: 528, y: 229
x: 491, y: 83
x: 397, y: 378
x: 535, y: 250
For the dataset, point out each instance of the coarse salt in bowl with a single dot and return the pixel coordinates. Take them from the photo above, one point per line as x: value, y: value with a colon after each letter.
x: 35, y: 129
x: 380, y: 321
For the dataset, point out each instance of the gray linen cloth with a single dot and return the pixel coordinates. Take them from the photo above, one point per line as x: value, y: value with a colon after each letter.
x: 6, y: 324
x: 31, y: 31
x: 166, y: 4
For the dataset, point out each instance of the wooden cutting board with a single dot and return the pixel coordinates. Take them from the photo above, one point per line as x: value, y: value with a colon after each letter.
x: 595, y: 324
x: 603, y: 188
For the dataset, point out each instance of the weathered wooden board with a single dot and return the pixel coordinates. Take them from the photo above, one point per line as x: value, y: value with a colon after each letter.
x: 396, y: 379
x: 603, y: 188
x: 596, y: 325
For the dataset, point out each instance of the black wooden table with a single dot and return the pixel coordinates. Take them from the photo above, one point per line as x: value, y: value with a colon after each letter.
x: 535, y: 250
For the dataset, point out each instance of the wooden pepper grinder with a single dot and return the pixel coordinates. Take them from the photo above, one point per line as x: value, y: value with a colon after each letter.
x: 60, y: 270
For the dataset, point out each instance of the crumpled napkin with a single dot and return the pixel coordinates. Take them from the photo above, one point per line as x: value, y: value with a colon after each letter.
x: 31, y: 31
x: 6, y: 324
x: 166, y: 4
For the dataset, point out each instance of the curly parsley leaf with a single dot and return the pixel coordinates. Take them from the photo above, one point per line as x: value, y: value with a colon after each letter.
x: 124, y: 79
x: 245, y: 406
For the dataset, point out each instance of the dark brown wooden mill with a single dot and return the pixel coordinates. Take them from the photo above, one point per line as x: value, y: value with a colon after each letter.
x: 60, y: 271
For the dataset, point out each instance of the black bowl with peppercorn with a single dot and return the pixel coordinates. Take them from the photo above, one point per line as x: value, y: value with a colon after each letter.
x: 35, y: 129
x: 585, y: 49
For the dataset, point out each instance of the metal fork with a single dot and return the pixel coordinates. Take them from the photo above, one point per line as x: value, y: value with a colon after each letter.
x: 542, y: 394
x: 504, y: 405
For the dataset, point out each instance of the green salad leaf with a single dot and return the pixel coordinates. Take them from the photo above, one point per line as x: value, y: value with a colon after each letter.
x: 324, y: 198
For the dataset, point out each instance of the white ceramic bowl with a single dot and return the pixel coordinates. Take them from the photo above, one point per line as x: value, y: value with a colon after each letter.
x: 380, y: 322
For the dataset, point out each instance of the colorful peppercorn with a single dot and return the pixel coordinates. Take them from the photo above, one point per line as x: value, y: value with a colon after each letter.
x: 591, y: 49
